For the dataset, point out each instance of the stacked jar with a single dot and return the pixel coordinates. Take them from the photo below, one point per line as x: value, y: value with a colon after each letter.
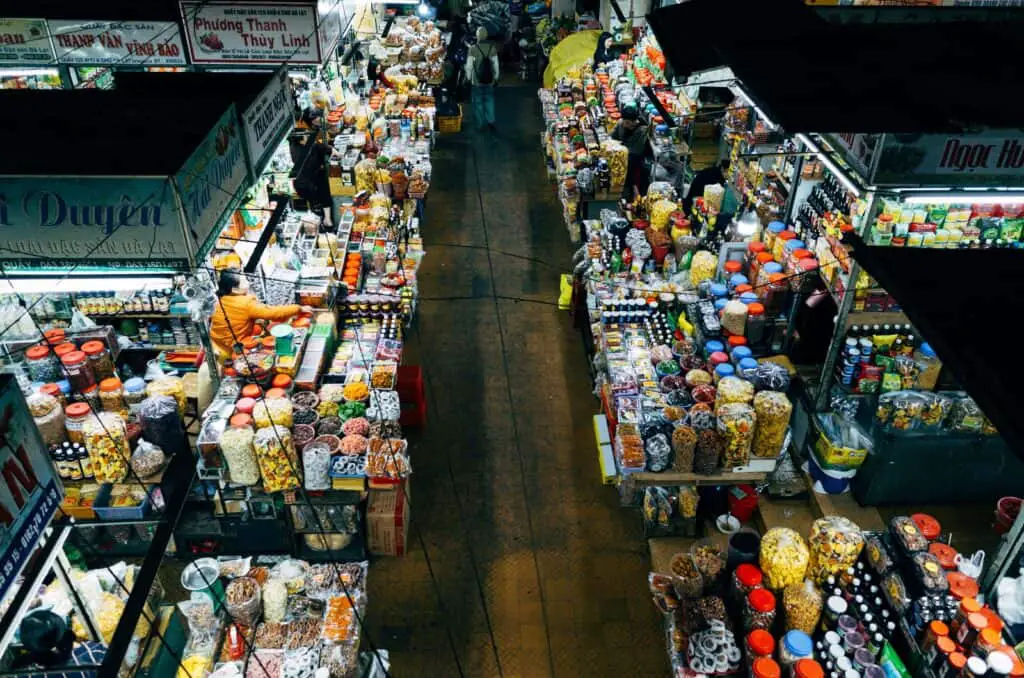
x: 112, y: 397
x: 771, y: 233
x: 756, y: 323
x: 134, y: 391
x: 796, y: 645
x: 745, y: 578
x: 41, y: 364
x: 759, y: 610
x: 54, y: 391
x: 760, y: 645
x: 75, y: 416
x: 79, y: 371
x: 760, y: 261
x: 750, y: 259
x: 779, y: 247
x: 100, y: 359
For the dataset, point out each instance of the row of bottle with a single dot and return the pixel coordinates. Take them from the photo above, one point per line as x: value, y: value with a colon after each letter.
x: 111, y: 303
x: 72, y: 461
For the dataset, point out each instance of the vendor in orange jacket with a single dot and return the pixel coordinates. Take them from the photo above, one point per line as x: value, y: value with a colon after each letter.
x: 236, y: 312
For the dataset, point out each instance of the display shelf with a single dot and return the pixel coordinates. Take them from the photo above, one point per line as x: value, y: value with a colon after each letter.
x: 670, y: 478
x: 353, y: 553
x: 139, y: 316
x: 321, y: 497
x: 877, y: 318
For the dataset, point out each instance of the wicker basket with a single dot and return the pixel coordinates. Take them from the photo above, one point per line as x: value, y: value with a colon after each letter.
x: 450, y: 124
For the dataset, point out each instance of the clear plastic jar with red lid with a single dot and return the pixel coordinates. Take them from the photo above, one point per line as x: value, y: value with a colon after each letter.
x: 759, y: 610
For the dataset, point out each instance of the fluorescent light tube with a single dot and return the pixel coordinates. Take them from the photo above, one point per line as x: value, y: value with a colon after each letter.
x: 966, y: 198
x: 743, y: 93
x: 843, y: 179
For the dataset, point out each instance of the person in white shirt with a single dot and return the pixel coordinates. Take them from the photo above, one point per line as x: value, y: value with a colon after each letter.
x: 482, y: 70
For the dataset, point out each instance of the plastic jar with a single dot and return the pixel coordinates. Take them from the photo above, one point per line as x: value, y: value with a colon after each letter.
x: 765, y: 271
x: 723, y: 370
x: 49, y: 418
x: 112, y: 397
x: 766, y: 668
x: 935, y: 630
x: 967, y: 607
x: 808, y: 668
x: 719, y: 291
x: 75, y: 415
x: 938, y: 654
x: 731, y: 268
x: 955, y: 663
x: 759, y: 610
x: 755, y: 323
x: 734, y: 317
x: 835, y: 607
x: 796, y: 645
x: 988, y: 641
x: 846, y: 625
x: 772, y: 233
x: 41, y: 364
x: 749, y: 259
x: 134, y: 391
x: 283, y: 381
x: 789, y: 265
x: 79, y: 371
x: 969, y: 630
x: 737, y: 279
x: 853, y: 641
x: 804, y: 275
x: 976, y: 667
x: 100, y: 360
x: 713, y: 346
x: 53, y: 390
x: 773, y: 293
x: 999, y: 663
x: 759, y: 262
x: 746, y: 578
x: 779, y: 246
x: 760, y: 645
x: 61, y: 350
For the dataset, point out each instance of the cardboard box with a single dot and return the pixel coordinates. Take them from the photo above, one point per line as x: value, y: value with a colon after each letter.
x: 387, y: 522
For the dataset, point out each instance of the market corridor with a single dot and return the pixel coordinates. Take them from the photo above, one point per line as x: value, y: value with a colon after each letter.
x: 525, y: 544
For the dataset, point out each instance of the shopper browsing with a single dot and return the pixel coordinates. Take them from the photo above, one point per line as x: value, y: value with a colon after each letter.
x: 632, y: 132
x: 482, y: 69
x: 236, y: 311
x: 605, y: 51
x: 704, y: 178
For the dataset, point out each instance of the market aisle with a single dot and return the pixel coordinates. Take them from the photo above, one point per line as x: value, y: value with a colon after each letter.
x: 520, y: 533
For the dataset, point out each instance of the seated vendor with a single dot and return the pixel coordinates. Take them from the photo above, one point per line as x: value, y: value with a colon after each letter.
x: 236, y: 312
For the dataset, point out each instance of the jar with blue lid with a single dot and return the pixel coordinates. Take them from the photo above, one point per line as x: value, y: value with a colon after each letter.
x: 65, y: 387
x: 747, y: 368
x: 772, y: 232
x: 719, y: 290
x: 720, y: 304
x: 713, y: 346
x: 724, y: 370
x: 748, y: 298
x: 766, y: 270
x: 796, y: 645
x: 739, y: 353
x: 737, y: 279
x: 134, y: 392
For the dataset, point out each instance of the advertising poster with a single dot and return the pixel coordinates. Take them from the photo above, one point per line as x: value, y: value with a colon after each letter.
x: 268, y: 119
x: 24, y: 42
x: 125, y: 43
x: 993, y: 158
x: 253, y: 33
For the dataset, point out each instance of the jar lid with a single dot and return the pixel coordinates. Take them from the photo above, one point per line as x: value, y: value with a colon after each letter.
x: 63, y: 349
x: 725, y: 370
x: 766, y: 668
x: 737, y: 278
x: 713, y: 345
x: 926, y: 350
x: 962, y: 586
x: 718, y: 357
x: 741, y: 352
x: 748, y: 297
x: 749, y: 575
x: 720, y: 303
x: 249, y: 343
x: 276, y: 393
x: 90, y: 390
x: 990, y: 637
x: 760, y: 641
x: 800, y: 253
x: 765, y: 258
x: 786, y: 235
x: 281, y: 381
x: 65, y: 386
x: 73, y: 357
x: 719, y: 290
x: 957, y: 660
x: 798, y: 643
x: 773, y: 267
x: 977, y: 620
x: 994, y: 620
x: 75, y: 410
x: 755, y: 308
x: 111, y: 384
x: 732, y: 266
x: 54, y: 336
x: 251, y: 391
x: 737, y: 340
x: 1000, y: 662
x: 794, y: 244
x: 776, y: 227
x: 945, y: 644
x: 240, y: 420
x: 134, y: 385
x: 837, y: 605
x: 92, y: 348
x: 808, y: 668
x: 756, y: 247
x: 245, y: 405
x: 944, y: 553
x: 761, y: 600
x: 928, y: 525
x: 745, y: 288
x: 977, y: 666
x: 748, y: 363
x: 970, y: 604
x: 37, y: 352
x: 50, y: 390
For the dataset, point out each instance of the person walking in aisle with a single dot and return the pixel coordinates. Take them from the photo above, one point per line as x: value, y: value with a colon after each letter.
x: 482, y: 71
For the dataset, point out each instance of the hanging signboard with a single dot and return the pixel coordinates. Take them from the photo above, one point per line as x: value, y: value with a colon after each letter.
x: 30, y: 493
x: 857, y: 149
x: 25, y: 42
x: 210, y: 183
x: 93, y: 223
x: 250, y: 33
x: 992, y: 158
x: 124, y: 43
x: 328, y: 26
x: 268, y: 119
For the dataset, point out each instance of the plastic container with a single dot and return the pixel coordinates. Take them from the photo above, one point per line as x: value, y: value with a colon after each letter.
x: 796, y: 645
x: 772, y: 233
x: 79, y: 371
x: 75, y: 416
x: 49, y: 418
x: 802, y: 604
x: 766, y: 667
x: 759, y: 610
x: 112, y: 397
x: 723, y: 370
x: 760, y: 645
x: 316, y: 463
x: 808, y: 668
x: 929, y: 526
x: 745, y: 578
x: 134, y: 391
x: 779, y: 246
x: 41, y: 364
x: 236, y: 446
x: 99, y: 359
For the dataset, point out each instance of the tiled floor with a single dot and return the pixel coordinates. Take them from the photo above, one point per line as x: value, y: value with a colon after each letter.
x: 530, y: 569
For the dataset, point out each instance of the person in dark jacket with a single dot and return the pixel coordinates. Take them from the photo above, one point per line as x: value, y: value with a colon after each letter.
x: 632, y: 132
x: 706, y: 177
x: 604, y: 52
x: 310, y: 158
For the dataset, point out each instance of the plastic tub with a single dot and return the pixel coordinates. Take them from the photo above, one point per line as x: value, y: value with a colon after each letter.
x: 832, y: 482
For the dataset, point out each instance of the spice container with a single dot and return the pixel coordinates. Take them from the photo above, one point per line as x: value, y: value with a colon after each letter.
x: 988, y: 641
x: 802, y: 604
x: 79, y: 371
x: 968, y: 606
x: 100, y: 360
x: 49, y: 418
x: 796, y: 645
x: 134, y: 392
x: 75, y: 415
x: 236, y: 445
x: 759, y: 610
x: 112, y: 397
x: 41, y: 364
x: 107, y: 443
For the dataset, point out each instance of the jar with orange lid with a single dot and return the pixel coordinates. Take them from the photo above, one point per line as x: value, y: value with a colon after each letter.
x: 760, y: 259
x: 968, y: 631
x: 988, y: 640
x: 730, y: 268
x: 803, y: 278
x: 772, y: 233
x: 759, y: 610
x: 251, y: 391
x: 765, y: 271
x: 773, y: 294
x: 967, y: 607
x: 75, y: 415
x: 756, y: 323
x: 112, y: 397
x: 100, y: 360
x: 808, y: 668
x: 953, y: 666
x: 60, y: 350
x: 779, y: 246
x: 245, y: 405
x: 765, y: 667
x: 41, y: 364
x: 938, y: 654
x: 945, y: 554
x: 240, y: 420
x: 789, y: 265
x: 760, y: 644
x: 932, y: 632
x: 749, y: 259
x: 53, y: 390
x: 284, y: 382
x: 79, y: 371
x: 55, y: 336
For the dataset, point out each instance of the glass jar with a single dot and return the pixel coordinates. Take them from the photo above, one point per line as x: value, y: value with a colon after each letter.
x: 967, y: 607
x: 91, y: 396
x: 759, y: 610
x: 75, y: 415
x: 779, y: 246
x: 134, y: 392
x: 100, y: 360
x: 760, y: 644
x: 796, y: 645
x: 112, y: 397
x: 41, y: 364
x: 755, y: 323
x: 79, y: 371
x: 49, y: 418
x: 835, y: 607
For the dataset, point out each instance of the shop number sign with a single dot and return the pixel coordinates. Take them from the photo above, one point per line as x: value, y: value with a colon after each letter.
x: 25, y: 42
x: 220, y: 32
x: 267, y: 119
x: 29, y: 492
x: 127, y: 43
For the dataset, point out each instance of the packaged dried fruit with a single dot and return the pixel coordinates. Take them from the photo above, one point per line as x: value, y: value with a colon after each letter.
x: 802, y: 603
x: 275, y: 453
x: 338, y: 620
x: 835, y: 544
x: 784, y: 558
x: 773, y: 411
x: 906, y: 534
x: 107, y: 443
x: 929, y: 573
x: 736, y: 423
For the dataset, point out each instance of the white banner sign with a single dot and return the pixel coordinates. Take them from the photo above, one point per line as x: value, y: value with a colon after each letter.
x: 989, y: 158
x: 250, y: 33
x: 125, y: 43
x: 25, y: 42
x: 268, y: 119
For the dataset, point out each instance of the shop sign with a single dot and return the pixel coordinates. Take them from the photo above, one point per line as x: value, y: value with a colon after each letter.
x: 54, y: 223
x: 328, y: 26
x: 250, y: 33
x: 125, y: 43
x: 991, y: 158
x: 268, y: 119
x: 213, y: 177
x: 29, y: 493
x: 857, y: 149
x: 25, y: 42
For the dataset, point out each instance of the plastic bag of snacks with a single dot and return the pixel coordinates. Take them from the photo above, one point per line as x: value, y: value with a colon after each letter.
x: 709, y: 452
x: 736, y: 423
x: 733, y: 390
x: 702, y: 267
x: 276, y: 456
x: 659, y: 452
x: 784, y: 558
x: 710, y: 561
x: 835, y: 544
x: 688, y: 500
x: 107, y: 444
x: 236, y: 444
x: 702, y: 418
x: 966, y: 416
x: 935, y: 410
x: 659, y: 213
x: 686, y: 577
x: 169, y: 386
x: 773, y: 411
x: 771, y: 376
x: 243, y: 602
x: 684, y: 444
x: 269, y: 412
x: 899, y: 411
x: 802, y: 603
